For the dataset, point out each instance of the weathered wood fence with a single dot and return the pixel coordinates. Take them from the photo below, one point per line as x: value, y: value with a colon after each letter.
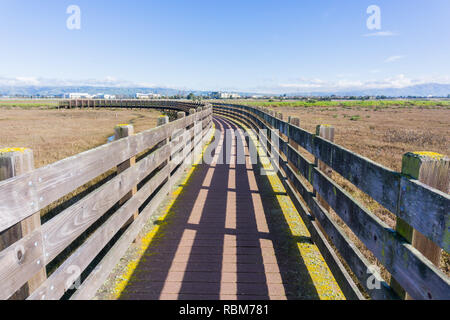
x: 128, y: 103
x: 421, y: 210
x: 98, y: 226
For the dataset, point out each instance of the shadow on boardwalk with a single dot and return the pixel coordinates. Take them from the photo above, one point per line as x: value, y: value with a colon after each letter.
x: 225, y: 237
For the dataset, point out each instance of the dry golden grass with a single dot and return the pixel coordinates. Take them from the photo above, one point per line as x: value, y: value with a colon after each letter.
x: 57, y: 134
x: 382, y: 135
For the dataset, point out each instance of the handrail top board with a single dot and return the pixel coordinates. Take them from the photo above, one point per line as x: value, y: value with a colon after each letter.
x: 23, y: 195
x: 391, y: 189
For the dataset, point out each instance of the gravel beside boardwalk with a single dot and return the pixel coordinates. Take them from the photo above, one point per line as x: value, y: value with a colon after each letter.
x: 231, y: 233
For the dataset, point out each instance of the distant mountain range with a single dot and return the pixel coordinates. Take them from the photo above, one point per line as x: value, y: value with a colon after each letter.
x: 422, y: 90
x: 56, y: 90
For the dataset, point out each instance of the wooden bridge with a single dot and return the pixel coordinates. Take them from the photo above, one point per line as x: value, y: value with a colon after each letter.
x: 219, y: 214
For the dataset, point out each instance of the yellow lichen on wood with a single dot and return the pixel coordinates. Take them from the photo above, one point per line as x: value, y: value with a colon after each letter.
x: 322, y: 278
x: 8, y: 150
x: 432, y: 155
x: 127, y: 273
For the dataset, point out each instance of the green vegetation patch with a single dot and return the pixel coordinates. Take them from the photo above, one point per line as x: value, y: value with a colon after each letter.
x: 377, y: 104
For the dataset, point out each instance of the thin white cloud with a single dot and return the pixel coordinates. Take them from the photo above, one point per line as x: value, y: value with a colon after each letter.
x: 297, y: 84
x: 19, y: 81
x: 381, y: 34
x: 300, y: 85
x: 109, y: 81
x: 398, y: 81
x: 393, y: 58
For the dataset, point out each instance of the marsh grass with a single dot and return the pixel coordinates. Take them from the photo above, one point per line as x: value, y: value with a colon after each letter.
x: 57, y: 134
x: 352, y: 104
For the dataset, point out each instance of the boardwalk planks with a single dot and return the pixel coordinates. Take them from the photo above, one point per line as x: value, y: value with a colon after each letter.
x: 425, y: 208
x: 24, y: 195
x: 27, y: 193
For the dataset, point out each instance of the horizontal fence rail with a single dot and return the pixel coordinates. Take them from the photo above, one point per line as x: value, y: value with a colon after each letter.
x: 420, y: 206
x: 129, y: 103
x: 145, y: 167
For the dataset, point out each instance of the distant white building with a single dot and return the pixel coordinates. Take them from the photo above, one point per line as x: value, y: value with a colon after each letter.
x: 225, y: 95
x: 104, y: 96
x: 80, y: 96
x: 148, y: 95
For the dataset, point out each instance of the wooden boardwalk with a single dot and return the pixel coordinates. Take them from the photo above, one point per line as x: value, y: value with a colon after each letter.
x: 230, y: 234
x: 228, y: 231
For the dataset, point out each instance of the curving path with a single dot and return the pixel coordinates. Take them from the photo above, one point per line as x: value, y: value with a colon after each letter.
x: 230, y: 234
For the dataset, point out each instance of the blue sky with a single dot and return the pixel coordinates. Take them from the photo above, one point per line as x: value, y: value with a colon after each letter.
x: 259, y: 46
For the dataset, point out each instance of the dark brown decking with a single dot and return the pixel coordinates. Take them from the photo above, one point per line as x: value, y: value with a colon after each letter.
x: 226, y: 237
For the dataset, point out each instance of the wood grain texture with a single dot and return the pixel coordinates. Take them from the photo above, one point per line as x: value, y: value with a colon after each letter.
x: 19, y: 262
x: 60, y: 280
x: 60, y: 231
x: 353, y: 257
x: 344, y: 280
x: 426, y: 210
x: 432, y: 170
x: 326, y: 132
x: 15, y: 162
x: 98, y: 276
x: 26, y: 194
x: 120, y: 132
x: 406, y: 198
x: 420, y: 278
x: 348, y: 250
x: 90, y: 286
x: 424, y: 281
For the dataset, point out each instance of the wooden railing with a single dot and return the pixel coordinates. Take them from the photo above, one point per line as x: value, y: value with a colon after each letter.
x: 100, y: 225
x: 128, y: 103
x: 420, y: 209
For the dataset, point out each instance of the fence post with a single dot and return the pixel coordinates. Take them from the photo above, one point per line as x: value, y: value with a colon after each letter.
x: 14, y: 162
x: 122, y: 131
x: 283, y: 156
x: 432, y: 169
x: 200, y: 109
x: 162, y: 120
x: 181, y: 115
x: 296, y: 122
x: 327, y: 132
